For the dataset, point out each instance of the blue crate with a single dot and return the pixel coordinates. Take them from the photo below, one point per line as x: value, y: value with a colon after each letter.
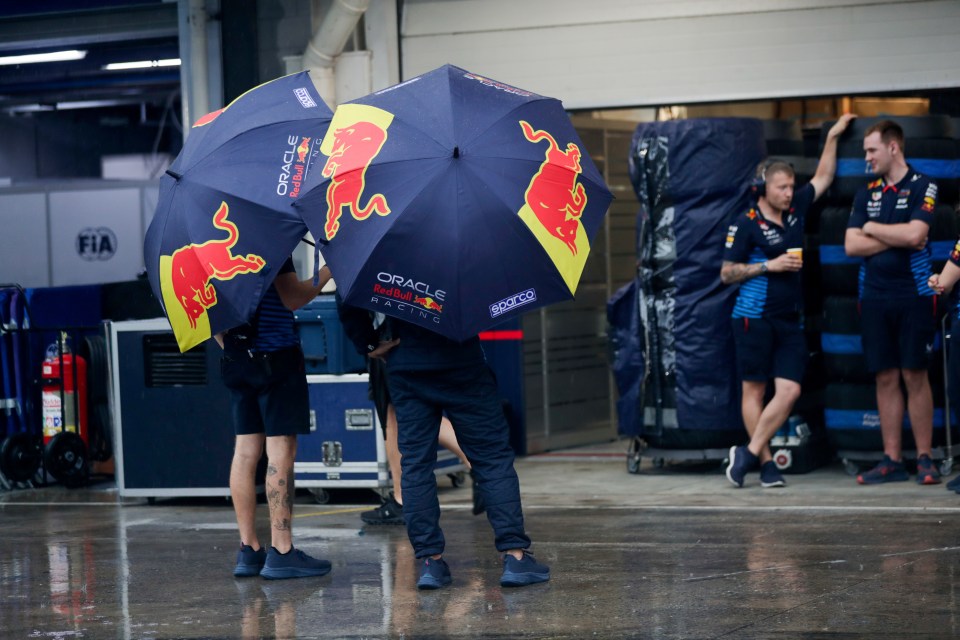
x: 326, y: 347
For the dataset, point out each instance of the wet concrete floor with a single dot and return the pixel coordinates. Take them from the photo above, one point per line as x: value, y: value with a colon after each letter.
x: 673, y: 553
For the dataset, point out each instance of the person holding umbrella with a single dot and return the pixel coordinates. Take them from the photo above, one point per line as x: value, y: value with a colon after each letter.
x: 453, y: 202
x: 263, y: 368
x: 429, y: 375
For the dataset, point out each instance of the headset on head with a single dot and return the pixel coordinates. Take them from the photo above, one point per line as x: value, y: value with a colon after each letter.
x: 758, y: 186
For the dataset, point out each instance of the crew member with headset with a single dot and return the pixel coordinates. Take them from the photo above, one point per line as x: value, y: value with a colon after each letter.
x: 764, y: 255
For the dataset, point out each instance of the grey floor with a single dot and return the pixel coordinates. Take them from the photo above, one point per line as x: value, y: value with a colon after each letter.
x: 667, y: 553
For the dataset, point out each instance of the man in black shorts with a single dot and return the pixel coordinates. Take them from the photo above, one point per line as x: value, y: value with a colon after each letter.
x: 263, y: 367
x: 764, y: 254
x: 888, y: 228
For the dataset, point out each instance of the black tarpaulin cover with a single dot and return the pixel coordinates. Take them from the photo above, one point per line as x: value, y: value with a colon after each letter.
x: 691, y: 177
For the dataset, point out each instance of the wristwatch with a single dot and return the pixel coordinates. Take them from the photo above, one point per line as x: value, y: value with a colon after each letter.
x: 763, y: 267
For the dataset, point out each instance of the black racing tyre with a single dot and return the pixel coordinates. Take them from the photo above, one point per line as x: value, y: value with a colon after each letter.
x: 842, y: 347
x: 839, y: 273
x: 811, y: 282
x: 782, y: 130
x: 786, y: 150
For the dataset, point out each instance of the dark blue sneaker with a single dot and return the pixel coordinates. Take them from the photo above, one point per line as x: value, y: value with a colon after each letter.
x: 770, y: 475
x: 954, y: 485
x: 927, y: 471
x: 249, y: 562
x: 741, y: 461
x: 886, y: 471
x: 294, y: 564
x: 434, y: 573
x: 520, y: 573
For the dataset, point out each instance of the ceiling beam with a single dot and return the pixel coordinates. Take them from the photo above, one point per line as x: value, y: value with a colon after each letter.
x: 74, y: 29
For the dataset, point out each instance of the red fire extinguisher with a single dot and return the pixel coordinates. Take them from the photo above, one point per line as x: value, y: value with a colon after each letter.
x: 59, y: 414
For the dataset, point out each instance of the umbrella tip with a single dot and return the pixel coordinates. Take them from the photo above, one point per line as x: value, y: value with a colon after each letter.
x: 456, y: 152
x: 173, y: 174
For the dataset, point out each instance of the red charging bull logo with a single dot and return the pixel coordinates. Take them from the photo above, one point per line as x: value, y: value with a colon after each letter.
x: 303, y: 149
x: 554, y: 195
x: 428, y: 303
x: 195, y: 265
x: 355, y: 137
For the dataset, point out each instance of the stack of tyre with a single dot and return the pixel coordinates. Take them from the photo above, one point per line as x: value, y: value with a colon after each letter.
x: 690, y: 177
x: 849, y: 399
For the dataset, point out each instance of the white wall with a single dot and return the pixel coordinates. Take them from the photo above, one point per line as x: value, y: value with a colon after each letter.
x: 612, y: 53
x: 51, y: 233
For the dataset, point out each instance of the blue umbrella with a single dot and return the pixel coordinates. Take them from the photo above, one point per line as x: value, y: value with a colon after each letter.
x: 224, y: 223
x: 454, y: 201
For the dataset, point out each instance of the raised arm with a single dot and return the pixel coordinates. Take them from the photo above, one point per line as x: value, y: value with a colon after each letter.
x: 827, y: 166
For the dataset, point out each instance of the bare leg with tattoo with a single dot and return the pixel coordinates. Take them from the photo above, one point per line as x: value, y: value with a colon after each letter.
x: 281, y: 451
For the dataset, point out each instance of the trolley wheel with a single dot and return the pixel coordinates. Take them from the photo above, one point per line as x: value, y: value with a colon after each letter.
x: 946, y: 467
x: 457, y: 479
x: 65, y: 457
x: 658, y: 463
x: 851, y: 467
x: 633, y: 463
x: 320, y: 495
x: 20, y: 457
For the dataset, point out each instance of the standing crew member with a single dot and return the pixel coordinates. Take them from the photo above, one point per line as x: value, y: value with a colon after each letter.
x: 429, y: 375
x: 888, y: 228
x: 263, y: 367
x: 764, y: 253
x: 375, y: 342
x: 943, y: 283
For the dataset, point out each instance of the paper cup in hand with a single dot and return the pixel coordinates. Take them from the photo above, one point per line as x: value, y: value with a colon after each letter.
x: 797, y: 251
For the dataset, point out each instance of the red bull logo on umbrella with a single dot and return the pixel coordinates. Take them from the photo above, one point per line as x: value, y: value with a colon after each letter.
x: 355, y: 137
x: 186, y: 275
x: 554, y: 202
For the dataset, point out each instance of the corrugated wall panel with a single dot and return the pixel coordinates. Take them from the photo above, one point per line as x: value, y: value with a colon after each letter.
x: 611, y: 53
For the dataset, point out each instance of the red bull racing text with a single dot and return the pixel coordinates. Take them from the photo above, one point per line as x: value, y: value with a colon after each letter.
x: 401, y: 294
x: 294, y: 167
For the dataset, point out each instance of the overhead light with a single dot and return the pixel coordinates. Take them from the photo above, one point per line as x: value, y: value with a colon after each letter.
x: 53, y: 56
x: 142, y: 64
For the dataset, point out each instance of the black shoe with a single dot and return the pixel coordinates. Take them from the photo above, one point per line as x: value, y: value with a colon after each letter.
x: 390, y: 512
x: 293, y: 564
x: 249, y: 562
x: 478, y: 507
x: 520, y: 573
x: 433, y: 574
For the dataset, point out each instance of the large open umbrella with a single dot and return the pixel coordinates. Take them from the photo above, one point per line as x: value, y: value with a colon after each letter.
x: 224, y: 222
x: 454, y: 201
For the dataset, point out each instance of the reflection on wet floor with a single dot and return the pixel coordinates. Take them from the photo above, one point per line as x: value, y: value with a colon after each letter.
x: 163, y: 571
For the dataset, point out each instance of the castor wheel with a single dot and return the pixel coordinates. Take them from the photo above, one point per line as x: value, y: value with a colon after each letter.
x: 633, y: 463
x: 946, y: 467
x: 457, y: 479
x: 851, y: 467
x: 320, y: 496
x: 658, y: 463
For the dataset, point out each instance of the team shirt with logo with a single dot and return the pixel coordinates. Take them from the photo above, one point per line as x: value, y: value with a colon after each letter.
x: 895, y: 272
x: 753, y: 239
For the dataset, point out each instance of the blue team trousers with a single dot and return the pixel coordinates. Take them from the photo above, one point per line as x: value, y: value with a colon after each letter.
x: 469, y: 398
